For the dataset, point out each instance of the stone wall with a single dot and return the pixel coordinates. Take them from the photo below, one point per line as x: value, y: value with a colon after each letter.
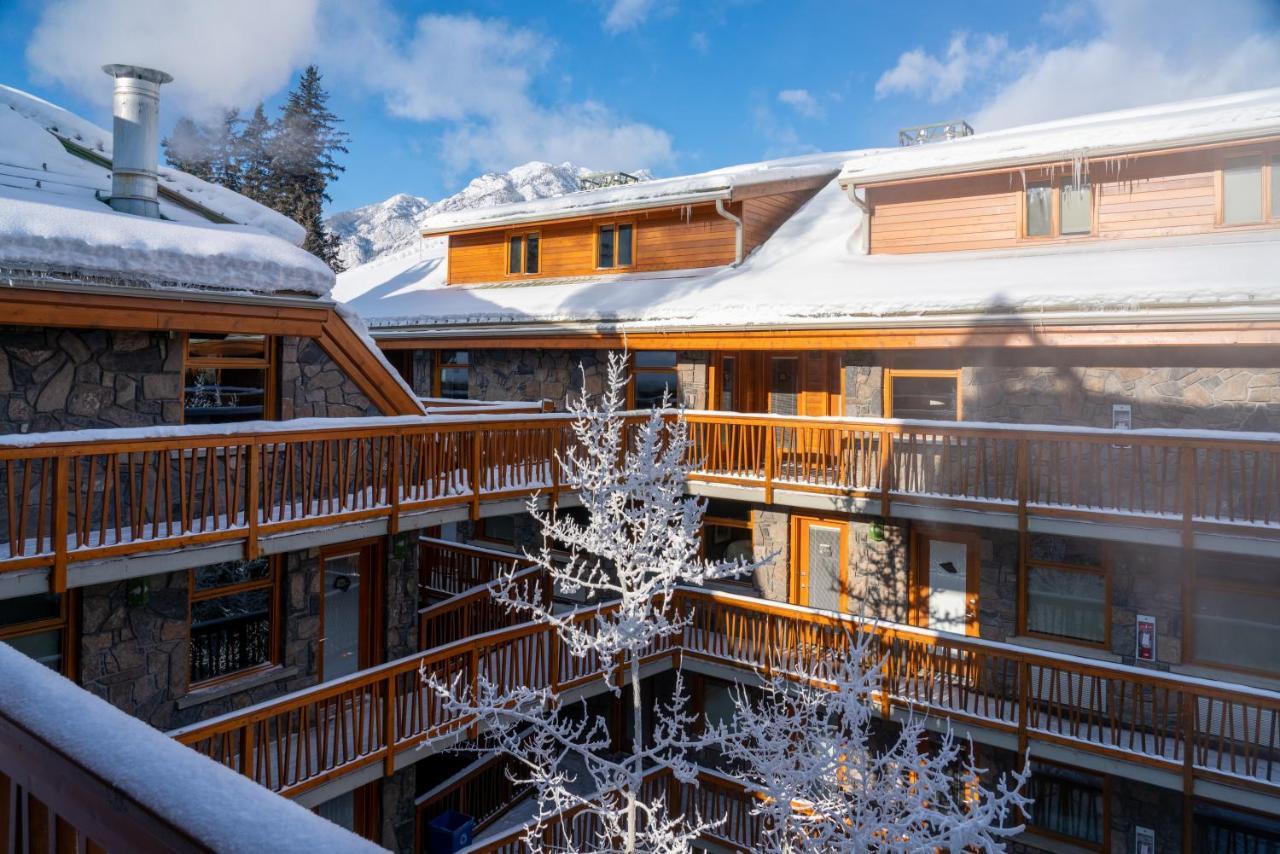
x: 401, y: 610
x: 879, y: 577
x: 863, y: 386
x: 531, y: 374
x: 398, y: 813
x: 311, y: 385
x: 137, y: 656
x: 771, y: 543
x: 64, y: 379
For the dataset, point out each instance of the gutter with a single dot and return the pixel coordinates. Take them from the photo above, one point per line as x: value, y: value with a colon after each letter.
x: 737, y: 230
x: 192, y: 293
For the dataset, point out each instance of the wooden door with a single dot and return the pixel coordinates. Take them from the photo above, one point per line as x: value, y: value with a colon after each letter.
x: 945, y: 585
x: 820, y: 563
x: 351, y: 609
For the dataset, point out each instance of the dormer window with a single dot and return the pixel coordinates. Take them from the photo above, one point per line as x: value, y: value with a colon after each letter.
x: 615, y: 245
x: 1245, y: 185
x: 1061, y: 210
x: 523, y: 254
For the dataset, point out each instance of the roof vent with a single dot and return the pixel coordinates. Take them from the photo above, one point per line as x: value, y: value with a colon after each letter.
x: 135, y: 130
x: 600, y: 180
x: 922, y: 134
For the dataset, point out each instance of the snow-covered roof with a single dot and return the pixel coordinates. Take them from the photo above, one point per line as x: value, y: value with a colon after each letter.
x: 809, y: 273
x: 724, y: 183
x: 1121, y: 132
x: 53, y: 221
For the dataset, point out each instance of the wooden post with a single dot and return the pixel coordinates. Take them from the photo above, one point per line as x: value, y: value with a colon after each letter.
x: 1023, y: 475
x: 58, y: 581
x: 1190, y: 724
x: 251, y: 499
x: 473, y: 663
x: 475, y: 473
x: 247, y: 752
x: 769, y: 450
x: 393, y: 483
x: 886, y: 471
x: 389, y: 725
x: 1024, y: 699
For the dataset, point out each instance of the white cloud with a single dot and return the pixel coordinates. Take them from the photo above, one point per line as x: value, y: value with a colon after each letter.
x: 229, y: 53
x: 939, y: 79
x: 623, y: 15
x: 1122, y: 53
x: 802, y: 101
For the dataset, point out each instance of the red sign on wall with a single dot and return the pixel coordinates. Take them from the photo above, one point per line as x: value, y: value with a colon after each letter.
x: 1146, y: 640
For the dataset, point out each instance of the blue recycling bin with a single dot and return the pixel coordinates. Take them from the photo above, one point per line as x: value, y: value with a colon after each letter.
x: 449, y: 832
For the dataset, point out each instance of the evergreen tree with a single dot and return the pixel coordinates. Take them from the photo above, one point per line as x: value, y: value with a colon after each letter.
x: 253, y: 155
x: 307, y: 138
x: 223, y: 142
x: 189, y: 149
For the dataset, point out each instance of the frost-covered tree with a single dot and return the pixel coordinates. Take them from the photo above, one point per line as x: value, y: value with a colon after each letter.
x: 640, y: 539
x: 806, y: 744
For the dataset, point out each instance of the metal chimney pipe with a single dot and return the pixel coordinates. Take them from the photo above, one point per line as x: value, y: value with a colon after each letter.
x: 135, y: 127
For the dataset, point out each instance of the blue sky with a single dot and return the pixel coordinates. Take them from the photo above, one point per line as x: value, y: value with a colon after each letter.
x: 435, y: 93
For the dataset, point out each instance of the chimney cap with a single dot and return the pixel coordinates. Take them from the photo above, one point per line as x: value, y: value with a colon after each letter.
x: 141, y: 72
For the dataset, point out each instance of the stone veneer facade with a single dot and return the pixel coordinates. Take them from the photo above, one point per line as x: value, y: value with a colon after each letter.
x: 312, y: 386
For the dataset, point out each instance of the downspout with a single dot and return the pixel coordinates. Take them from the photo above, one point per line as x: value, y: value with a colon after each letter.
x: 860, y: 240
x: 737, y: 230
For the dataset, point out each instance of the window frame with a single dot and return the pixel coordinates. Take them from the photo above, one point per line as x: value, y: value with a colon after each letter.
x: 727, y: 522
x: 437, y: 372
x: 1268, y: 155
x: 892, y: 374
x: 1024, y: 597
x: 595, y: 245
x: 523, y: 235
x: 65, y: 623
x: 633, y: 371
x: 480, y: 532
x: 1197, y: 583
x: 272, y: 582
x: 1105, y: 822
x: 1057, y: 184
x: 267, y: 363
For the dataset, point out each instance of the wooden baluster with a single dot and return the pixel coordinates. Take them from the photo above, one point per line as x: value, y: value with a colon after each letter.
x: 475, y: 473
x: 389, y: 724
x: 392, y: 478
x: 886, y: 470
x: 770, y: 443
x: 252, y: 492
x: 58, y: 582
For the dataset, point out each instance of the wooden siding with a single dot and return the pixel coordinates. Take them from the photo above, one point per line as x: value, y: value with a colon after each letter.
x: 1153, y: 196
x: 665, y: 239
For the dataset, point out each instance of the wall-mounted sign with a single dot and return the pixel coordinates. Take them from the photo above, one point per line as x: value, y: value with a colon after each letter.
x: 1121, y: 416
x: 1146, y: 639
x: 1144, y: 840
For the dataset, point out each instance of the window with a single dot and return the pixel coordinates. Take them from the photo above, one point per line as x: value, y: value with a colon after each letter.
x: 727, y: 536
x: 1242, y: 191
x: 523, y: 253
x: 453, y: 374
x: 37, y: 626
x: 1061, y: 210
x: 1235, y: 612
x: 1067, y: 803
x: 653, y: 376
x: 233, y: 618
x: 1068, y: 589
x: 927, y: 395
x: 615, y: 246
x: 728, y: 381
x: 498, y: 529
x: 228, y: 378
x: 1221, y: 829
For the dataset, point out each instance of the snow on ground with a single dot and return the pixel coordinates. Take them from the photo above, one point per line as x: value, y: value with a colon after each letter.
x: 1240, y: 116
x: 52, y: 219
x: 220, y: 808
x: 809, y: 272
x: 651, y: 192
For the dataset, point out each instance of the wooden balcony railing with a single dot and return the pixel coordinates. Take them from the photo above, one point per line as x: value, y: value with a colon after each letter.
x: 68, y: 497
x: 483, y: 791
x: 446, y: 569
x: 1196, y: 728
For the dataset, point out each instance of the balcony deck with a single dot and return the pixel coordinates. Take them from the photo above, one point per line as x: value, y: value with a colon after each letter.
x: 72, y: 503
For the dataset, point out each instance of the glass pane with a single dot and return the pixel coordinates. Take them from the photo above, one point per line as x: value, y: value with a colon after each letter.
x: 1236, y: 628
x: 1039, y: 210
x: 340, y: 810
x: 222, y: 395
x: 232, y: 572
x: 531, y: 254
x: 726, y: 509
x: 728, y: 369
x: 341, y: 615
x: 203, y: 345
x: 500, y: 528
x: 624, y: 245
x: 1057, y: 549
x: 928, y: 398
x: 455, y: 357
x: 453, y: 383
x: 948, y: 603
x: 1238, y: 569
x: 1077, y: 209
x: 29, y: 609
x: 650, y: 386
x: 605, y: 247
x: 230, y: 633
x: 784, y: 386
x: 1242, y: 191
x: 1275, y: 187
x: 1067, y: 604
x: 1220, y: 828
x: 1067, y: 802
x: 44, y: 647
x: 655, y: 359
x: 722, y: 542
x: 515, y: 253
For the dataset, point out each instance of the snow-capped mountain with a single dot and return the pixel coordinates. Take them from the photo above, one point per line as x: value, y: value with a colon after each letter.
x: 379, y: 229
